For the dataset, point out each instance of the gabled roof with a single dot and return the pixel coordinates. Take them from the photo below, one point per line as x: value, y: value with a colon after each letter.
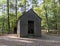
x: 31, y: 10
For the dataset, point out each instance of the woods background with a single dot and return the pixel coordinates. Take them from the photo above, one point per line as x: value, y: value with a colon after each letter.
x: 48, y: 10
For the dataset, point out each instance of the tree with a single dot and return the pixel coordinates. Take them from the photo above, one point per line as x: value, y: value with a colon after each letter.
x: 34, y: 3
x: 8, y: 16
x: 16, y: 8
x: 46, y: 11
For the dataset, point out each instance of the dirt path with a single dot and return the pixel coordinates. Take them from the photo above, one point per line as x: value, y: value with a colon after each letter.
x: 45, y: 40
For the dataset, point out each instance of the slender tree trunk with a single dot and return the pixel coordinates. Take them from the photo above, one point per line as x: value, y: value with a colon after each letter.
x: 25, y: 6
x: 2, y: 21
x: 2, y: 27
x: 8, y: 16
x: 15, y: 13
x: 45, y: 7
x: 47, y: 20
x: 55, y: 20
x: 55, y: 11
x: 16, y: 8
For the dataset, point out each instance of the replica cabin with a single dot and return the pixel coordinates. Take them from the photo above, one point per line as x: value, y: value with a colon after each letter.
x: 29, y: 24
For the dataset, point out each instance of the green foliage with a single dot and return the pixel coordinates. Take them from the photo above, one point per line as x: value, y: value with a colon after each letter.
x: 40, y: 12
x: 49, y: 9
x: 4, y: 22
x: 34, y: 2
x: 53, y: 13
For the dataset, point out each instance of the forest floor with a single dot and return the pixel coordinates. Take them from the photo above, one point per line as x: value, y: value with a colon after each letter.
x: 45, y: 40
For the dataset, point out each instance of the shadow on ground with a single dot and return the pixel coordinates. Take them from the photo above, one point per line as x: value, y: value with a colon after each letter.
x: 44, y: 40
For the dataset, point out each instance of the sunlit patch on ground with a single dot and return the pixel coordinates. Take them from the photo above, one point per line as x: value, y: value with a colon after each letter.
x: 3, y: 45
x: 12, y: 36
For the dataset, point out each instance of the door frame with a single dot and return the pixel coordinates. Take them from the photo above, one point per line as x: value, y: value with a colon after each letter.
x: 31, y: 21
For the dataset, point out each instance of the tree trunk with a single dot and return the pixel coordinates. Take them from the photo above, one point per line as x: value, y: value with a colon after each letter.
x: 16, y: 8
x: 24, y: 7
x: 45, y: 7
x: 55, y: 11
x: 8, y: 16
x: 47, y: 20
